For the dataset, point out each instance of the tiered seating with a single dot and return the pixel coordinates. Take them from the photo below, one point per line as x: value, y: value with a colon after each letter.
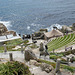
x: 61, y: 41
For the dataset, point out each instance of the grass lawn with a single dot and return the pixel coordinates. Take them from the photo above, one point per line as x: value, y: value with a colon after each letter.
x: 12, y: 44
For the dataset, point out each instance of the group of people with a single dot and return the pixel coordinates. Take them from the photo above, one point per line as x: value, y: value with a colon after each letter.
x: 27, y: 36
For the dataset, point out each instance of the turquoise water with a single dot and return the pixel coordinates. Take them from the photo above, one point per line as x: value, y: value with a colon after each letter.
x: 28, y: 16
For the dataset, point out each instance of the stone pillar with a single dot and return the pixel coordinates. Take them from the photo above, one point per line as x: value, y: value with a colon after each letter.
x: 32, y: 36
x: 24, y: 55
x: 5, y: 49
x: 41, y: 47
x: 65, y: 48
x: 6, y: 37
x: 57, y: 69
x: 22, y: 48
x: 67, y: 59
x: 11, y: 56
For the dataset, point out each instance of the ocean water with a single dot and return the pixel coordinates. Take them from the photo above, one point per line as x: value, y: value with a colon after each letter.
x: 28, y: 16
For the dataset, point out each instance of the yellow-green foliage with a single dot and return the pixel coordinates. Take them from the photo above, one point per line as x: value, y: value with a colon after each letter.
x: 48, y: 62
x: 14, y: 68
x: 54, y: 57
x: 16, y: 42
x: 12, y: 43
x: 71, y: 69
x: 34, y: 46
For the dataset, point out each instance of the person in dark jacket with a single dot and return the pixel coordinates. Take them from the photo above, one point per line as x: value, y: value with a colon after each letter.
x: 46, y: 48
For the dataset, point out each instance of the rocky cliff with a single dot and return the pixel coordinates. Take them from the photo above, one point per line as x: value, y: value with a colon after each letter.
x: 3, y: 29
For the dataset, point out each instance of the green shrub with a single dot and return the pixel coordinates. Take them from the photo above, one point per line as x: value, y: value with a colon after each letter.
x: 71, y: 69
x: 14, y: 68
x: 54, y: 57
x: 63, y: 60
x: 34, y: 46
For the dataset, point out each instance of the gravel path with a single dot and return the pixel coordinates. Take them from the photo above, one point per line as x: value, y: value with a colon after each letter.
x: 16, y: 55
x: 19, y: 56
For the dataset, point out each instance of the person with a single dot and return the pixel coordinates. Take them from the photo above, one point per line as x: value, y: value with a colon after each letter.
x: 46, y: 48
x: 23, y: 37
x: 19, y: 35
x: 72, y: 59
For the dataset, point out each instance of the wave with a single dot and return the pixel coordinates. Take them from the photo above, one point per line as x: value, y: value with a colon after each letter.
x: 28, y: 27
x: 6, y: 23
x: 34, y: 24
x: 56, y: 25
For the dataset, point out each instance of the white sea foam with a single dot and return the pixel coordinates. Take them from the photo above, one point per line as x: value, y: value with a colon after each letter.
x: 56, y: 25
x: 33, y: 30
x: 33, y: 24
x: 28, y: 27
x: 6, y: 23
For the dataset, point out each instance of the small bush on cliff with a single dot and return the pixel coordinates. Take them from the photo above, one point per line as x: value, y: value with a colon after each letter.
x: 14, y: 68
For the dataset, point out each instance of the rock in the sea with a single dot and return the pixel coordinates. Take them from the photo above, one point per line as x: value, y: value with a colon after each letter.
x: 46, y: 67
x: 29, y: 55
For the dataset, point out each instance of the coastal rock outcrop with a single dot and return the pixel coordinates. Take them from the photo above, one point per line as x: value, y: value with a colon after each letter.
x: 66, y: 28
x: 3, y: 29
x: 11, y: 32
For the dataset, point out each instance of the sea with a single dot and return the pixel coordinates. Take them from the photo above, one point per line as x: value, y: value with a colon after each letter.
x: 28, y: 16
